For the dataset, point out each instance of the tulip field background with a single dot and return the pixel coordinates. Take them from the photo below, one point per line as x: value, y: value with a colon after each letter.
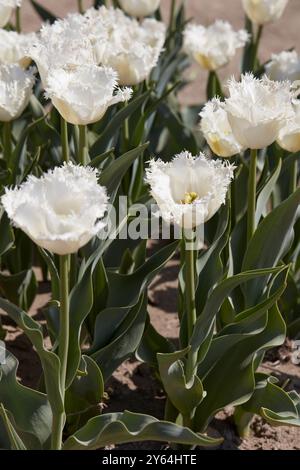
x: 159, y: 376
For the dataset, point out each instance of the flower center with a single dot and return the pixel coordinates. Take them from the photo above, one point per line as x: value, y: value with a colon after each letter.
x: 189, y: 198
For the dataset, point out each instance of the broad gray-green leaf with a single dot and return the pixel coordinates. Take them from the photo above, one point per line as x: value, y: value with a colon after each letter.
x: 266, y: 192
x: 15, y: 440
x: 117, y: 428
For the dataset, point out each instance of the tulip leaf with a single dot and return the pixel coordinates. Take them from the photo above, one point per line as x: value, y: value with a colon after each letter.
x: 214, y: 87
x: 184, y: 396
x: 19, y: 288
x: 29, y: 410
x: 266, y: 192
x: 229, y: 364
x: 204, y: 325
x: 54, y: 276
x: 7, y: 234
x: 111, y: 130
x: 49, y: 360
x: 112, y: 176
x: 43, y: 13
x: 15, y: 440
x: 117, y: 428
x: 277, y: 227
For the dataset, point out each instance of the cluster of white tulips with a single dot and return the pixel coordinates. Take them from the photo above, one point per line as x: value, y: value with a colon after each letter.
x: 81, y: 75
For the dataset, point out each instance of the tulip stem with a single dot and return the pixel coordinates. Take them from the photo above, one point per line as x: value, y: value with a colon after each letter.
x: 7, y: 141
x: 294, y: 177
x: 82, y: 147
x: 172, y: 15
x: 256, y: 46
x: 18, y: 19
x: 80, y: 6
x: 59, y: 419
x: 251, y: 195
x: 64, y: 139
x: 190, y: 304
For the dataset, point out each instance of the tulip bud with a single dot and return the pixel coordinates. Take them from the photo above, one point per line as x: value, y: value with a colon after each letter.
x: 264, y: 11
x: 6, y: 9
x: 214, y: 46
x: 139, y: 8
x: 60, y: 211
x: 15, y: 90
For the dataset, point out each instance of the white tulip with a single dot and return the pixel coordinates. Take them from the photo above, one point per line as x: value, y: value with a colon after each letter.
x: 257, y: 109
x: 284, y: 66
x: 14, y: 47
x: 189, y: 190
x: 214, y: 46
x: 62, y: 44
x: 120, y: 42
x: 6, y: 9
x: 83, y: 94
x: 217, y: 130
x: 289, y: 135
x: 264, y: 11
x: 60, y: 211
x: 139, y: 8
x: 15, y: 90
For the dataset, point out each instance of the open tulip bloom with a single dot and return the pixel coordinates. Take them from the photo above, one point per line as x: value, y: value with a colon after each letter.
x: 14, y: 47
x: 139, y: 8
x: 15, y: 90
x: 214, y: 46
x: 284, y: 66
x: 6, y: 9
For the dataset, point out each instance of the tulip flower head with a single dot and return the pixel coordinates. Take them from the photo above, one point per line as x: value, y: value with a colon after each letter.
x: 264, y: 11
x: 14, y: 47
x: 217, y: 130
x: 83, y: 94
x: 129, y: 47
x: 257, y: 109
x: 289, y: 135
x: 6, y: 9
x: 63, y: 44
x: 214, y: 46
x: 60, y: 211
x: 284, y: 66
x: 189, y: 190
x: 139, y: 8
x: 15, y: 90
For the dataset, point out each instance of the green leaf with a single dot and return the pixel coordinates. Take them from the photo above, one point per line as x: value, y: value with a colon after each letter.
x: 15, y: 440
x: 214, y: 87
x: 117, y: 428
x: 29, y: 410
x: 19, y: 288
x: 44, y: 14
x: 111, y: 130
x: 54, y: 276
x: 184, y: 396
x: 49, y: 360
x: 112, y: 176
x: 266, y: 192
x: 269, y: 243
x: 7, y: 234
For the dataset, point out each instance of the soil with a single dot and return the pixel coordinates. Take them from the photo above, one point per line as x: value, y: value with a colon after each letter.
x: 134, y: 387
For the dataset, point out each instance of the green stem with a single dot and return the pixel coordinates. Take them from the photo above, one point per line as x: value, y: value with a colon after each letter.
x: 80, y: 6
x: 294, y: 177
x: 18, y: 19
x: 59, y: 420
x: 190, y: 306
x: 64, y: 139
x: 172, y: 15
x: 256, y: 45
x: 7, y: 141
x: 82, y: 145
x: 251, y: 195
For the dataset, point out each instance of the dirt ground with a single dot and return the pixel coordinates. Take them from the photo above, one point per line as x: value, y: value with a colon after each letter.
x: 281, y: 35
x: 134, y: 387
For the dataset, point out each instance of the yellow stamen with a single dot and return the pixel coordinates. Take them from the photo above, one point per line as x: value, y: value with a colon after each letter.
x: 189, y: 198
